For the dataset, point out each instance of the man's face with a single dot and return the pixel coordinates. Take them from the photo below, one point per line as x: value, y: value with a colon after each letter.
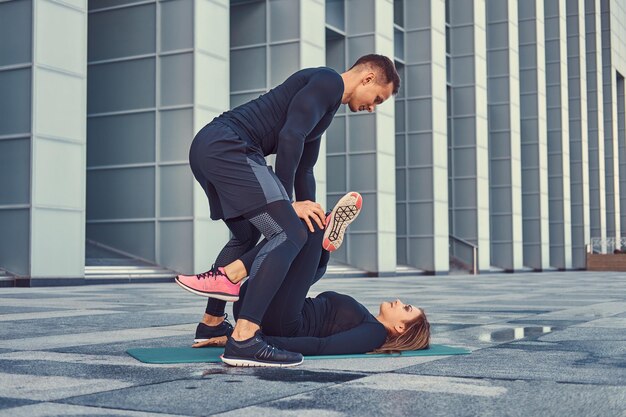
x: 369, y: 94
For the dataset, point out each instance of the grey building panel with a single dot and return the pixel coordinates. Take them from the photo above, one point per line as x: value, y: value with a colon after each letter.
x: 124, y: 32
x: 621, y: 139
x: 121, y: 139
x: 15, y: 243
x: 176, y: 32
x: 15, y: 33
x: 135, y: 238
x: 15, y: 172
x: 579, y: 165
x: 595, y: 120
x: 15, y: 101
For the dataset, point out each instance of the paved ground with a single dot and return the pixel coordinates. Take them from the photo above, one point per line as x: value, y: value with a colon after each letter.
x: 551, y: 344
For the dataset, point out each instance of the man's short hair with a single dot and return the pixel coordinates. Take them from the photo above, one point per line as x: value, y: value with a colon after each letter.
x: 385, y: 67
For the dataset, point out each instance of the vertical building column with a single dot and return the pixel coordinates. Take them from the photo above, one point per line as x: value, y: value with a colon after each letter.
x: 469, y: 150
x: 534, y: 145
x: 504, y: 135
x: 59, y: 140
x: 313, y: 54
x: 369, y: 161
x: 426, y: 144
x: 211, y: 95
x: 595, y: 120
x: 621, y: 139
x: 16, y: 106
x: 579, y: 156
x: 611, y: 149
x: 558, y: 134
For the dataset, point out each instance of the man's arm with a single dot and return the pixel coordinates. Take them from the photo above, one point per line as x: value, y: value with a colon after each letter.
x: 304, y: 182
x: 307, y: 108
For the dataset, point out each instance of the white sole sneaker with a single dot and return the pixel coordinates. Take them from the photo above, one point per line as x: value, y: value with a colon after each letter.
x: 345, y: 211
x: 251, y: 363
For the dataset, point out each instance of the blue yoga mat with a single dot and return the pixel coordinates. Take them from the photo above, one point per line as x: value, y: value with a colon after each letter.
x: 212, y: 354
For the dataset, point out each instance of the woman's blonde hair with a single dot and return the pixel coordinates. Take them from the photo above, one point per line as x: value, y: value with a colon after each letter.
x: 415, y: 337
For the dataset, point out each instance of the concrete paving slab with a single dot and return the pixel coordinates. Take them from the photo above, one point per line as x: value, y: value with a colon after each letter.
x: 48, y: 409
x: 442, y: 396
x: 223, y: 391
x: 46, y: 388
x: 537, y: 363
x: 92, y: 338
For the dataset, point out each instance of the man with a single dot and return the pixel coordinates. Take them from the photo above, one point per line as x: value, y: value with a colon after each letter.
x: 227, y: 159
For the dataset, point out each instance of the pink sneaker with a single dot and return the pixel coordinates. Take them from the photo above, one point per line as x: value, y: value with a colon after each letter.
x: 213, y: 283
x: 344, y: 213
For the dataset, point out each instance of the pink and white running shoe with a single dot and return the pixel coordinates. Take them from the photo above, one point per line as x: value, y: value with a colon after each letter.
x: 213, y: 283
x: 344, y: 213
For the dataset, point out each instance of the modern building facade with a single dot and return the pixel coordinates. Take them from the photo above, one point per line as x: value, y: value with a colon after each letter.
x: 504, y: 148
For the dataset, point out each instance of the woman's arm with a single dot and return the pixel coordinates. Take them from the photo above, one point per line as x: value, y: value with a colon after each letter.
x: 361, y: 339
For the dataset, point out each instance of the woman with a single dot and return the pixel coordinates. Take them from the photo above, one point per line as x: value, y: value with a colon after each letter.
x: 328, y: 324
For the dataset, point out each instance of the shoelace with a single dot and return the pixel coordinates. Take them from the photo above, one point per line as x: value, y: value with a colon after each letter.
x: 211, y: 273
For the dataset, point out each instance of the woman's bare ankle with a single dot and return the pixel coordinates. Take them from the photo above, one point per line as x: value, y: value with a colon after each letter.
x: 210, y: 320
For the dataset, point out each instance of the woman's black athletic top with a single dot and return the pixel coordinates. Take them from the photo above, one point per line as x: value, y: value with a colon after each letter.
x: 334, y: 324
x: 288, y: 121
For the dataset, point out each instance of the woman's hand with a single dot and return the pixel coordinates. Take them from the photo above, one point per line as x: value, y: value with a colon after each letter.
x: 307, y: 210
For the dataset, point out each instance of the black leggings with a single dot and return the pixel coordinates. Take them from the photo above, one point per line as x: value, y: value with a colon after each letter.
x: 285, y: 235
x: 283, y: 316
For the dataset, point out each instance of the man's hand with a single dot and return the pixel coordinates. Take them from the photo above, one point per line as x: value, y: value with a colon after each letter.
x: 307, y: 210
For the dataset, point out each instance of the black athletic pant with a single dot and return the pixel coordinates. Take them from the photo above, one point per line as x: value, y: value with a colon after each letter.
x: 283, y: 316
x: 285, y: 235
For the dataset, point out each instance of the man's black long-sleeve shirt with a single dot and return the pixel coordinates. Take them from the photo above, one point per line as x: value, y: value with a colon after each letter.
x: 288, y: 121
x: 334, y: 324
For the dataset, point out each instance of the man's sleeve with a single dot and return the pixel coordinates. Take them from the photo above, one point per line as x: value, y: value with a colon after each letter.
x: 304, y: 182
x: 307, y: 108
x: 362, y: 339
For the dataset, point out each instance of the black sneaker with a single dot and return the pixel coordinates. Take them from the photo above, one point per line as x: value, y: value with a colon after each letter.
x: 213, y: 335
x: 257, y: 352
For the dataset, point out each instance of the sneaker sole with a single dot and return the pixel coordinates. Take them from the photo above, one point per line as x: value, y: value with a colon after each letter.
x: 345, y: 211
x: 218, y: 295
x: 253, y: 363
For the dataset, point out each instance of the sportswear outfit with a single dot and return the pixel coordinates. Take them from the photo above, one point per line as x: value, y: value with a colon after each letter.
x: 328, y: 324
x: 227, y: 159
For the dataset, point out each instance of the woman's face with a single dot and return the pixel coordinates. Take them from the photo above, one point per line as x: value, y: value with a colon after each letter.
x: 398, y: 313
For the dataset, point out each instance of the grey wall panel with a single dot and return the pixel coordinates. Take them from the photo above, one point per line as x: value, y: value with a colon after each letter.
x: 621, y: 139
x: 123, y: 139
x: 335, y: 13
x: 283, y: 62
x: 120, y: 193
x: 360, y: 137
x: 579, y: 163
x: 176, y: 245
x: 176, y: 134
x: 176, y: 191
x: 283, y: 23
x: 15, y: 32
x: 136, y: 238
x: 121, y: 86
x: 248, y: 23
x: 176, y: 32
x: 336, y: 136
x: 15, y: 101
x: 176, y: 75
x: 122, y: 32
x: 241, y: 78
x: 611, y: 148
x: 104, y: 4
x: 15, y: 242
x: 15, y: 171
x: 360, y: 18
x: 595, y: 120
